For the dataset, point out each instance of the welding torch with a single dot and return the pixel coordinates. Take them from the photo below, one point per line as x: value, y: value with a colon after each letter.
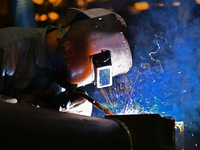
x: 94, y: 102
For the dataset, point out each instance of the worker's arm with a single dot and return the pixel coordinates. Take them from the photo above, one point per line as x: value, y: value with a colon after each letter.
x: 40, y: 98
x: 1, y: 68
x: 77, y: 104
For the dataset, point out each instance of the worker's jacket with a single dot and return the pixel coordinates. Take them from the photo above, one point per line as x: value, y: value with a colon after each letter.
x: 23, y: 60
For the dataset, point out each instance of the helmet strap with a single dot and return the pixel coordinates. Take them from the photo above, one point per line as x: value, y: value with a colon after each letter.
x: 60, y: 29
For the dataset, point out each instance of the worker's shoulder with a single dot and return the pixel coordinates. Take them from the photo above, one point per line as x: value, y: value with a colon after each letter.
x: 24, y: 31
x: 10, y: 35
x: 19, y: 31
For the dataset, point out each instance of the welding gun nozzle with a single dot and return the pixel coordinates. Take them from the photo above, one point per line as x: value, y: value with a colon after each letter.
x: 96, y: 103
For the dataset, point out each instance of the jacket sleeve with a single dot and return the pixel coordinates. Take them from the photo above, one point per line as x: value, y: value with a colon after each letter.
x: 1, y: 69
x: 8, y: 62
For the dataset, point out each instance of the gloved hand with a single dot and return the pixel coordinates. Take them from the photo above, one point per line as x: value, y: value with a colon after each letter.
x: 77, y: 104
x: 37, y: 98
x: 74, y: 98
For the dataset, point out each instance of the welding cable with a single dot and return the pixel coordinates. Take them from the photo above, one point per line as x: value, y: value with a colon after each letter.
x: 95, y: 103
x: 126, y: 128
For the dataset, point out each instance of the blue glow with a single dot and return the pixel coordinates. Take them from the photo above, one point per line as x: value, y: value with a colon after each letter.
x: 169, y: 88
x: 165, y: 77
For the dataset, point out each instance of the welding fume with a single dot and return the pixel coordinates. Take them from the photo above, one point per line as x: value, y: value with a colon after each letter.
x: 36, y: 63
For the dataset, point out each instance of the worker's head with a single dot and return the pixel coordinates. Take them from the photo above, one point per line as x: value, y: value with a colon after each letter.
x: 94, y: 49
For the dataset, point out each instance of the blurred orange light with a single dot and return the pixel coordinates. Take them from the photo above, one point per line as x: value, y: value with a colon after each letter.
x: 89, y: 1
x: 161, y: 4
x: 52, y: 1
x: 176, y: 3
x: 141, y: 6
x: 37, y: 17
x: 43, y: 17
x: 80, y: 3
x: 57, y: 2
x: 39, y: 2
x: 53, y: 15
x: 197, y: 1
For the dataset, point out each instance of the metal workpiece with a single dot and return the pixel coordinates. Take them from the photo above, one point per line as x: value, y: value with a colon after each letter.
x: 28, y: 127
x: 148, y: 131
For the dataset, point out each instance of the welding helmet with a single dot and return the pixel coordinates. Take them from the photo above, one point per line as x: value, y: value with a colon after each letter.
x: 94, y: 48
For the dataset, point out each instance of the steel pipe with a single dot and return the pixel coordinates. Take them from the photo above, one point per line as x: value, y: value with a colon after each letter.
x: 27, y: 127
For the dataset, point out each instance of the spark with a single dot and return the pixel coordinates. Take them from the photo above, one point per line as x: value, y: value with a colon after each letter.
x: 136, y: 79
x: 105, y: 95
x: 112, y: 99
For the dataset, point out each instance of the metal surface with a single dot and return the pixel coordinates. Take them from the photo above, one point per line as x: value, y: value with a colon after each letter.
x: 27, y: 127
x: 179, y: 134
x: 148, y: 131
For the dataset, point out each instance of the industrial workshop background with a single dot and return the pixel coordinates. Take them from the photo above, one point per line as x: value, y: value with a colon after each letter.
x: 164, y: 37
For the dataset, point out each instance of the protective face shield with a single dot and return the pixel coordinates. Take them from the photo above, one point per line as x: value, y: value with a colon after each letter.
x: 94, y: 48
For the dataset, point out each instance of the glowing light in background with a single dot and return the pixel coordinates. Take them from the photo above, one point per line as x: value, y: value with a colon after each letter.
x: 38, y: 2
x: 89, y: 1
x: 176, y: 3
x: 53, y: 15
x: 55, y: 2
x: 197, y: 1
x: 140, y: 6
x: 80, y: 3
x: 37, y: 17
x: 43, y: 17
x: 52, y: 1
x: 161, y: 4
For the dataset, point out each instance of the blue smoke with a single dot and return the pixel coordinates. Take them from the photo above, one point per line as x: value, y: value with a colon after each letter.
x: 165, y: 78
x: 166, y: 56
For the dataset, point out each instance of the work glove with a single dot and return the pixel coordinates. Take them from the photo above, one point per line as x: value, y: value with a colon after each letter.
x: 77, y: 104
x: 38, y: 98
x: 74, y: 98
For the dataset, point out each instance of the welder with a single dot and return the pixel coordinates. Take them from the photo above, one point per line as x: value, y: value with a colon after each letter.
x: 36, y: 62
